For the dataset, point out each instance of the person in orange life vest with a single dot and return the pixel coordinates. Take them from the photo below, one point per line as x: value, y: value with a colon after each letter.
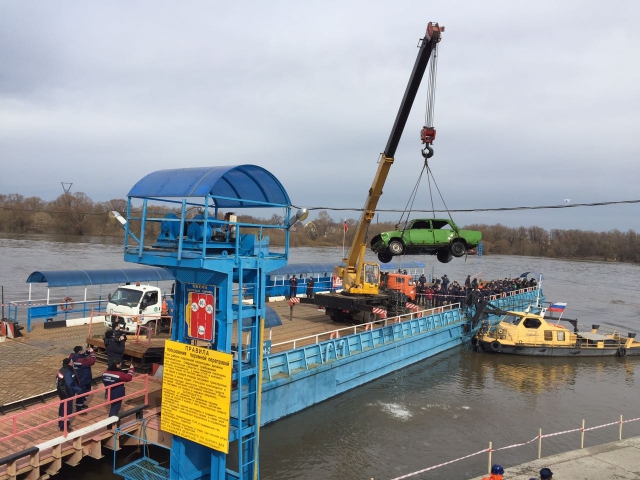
x: 496, y: 473
x: 114, y: 376
x: 82, y: 361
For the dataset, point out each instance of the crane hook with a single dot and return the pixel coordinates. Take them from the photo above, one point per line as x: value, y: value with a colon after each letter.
x: 427, y: 152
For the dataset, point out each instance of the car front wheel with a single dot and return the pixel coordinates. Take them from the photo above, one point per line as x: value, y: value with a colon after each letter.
x: 444, y: 256
x: 458, y: 248
x: 385, y: 257
x: 396, y: 247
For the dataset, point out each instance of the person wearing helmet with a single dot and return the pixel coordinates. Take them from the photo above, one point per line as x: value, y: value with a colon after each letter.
x: 496, y: 473
x: 546, y: 474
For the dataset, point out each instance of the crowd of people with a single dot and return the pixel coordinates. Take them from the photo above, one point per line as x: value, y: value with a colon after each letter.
x: 444, y: 292
x: 75, y: 377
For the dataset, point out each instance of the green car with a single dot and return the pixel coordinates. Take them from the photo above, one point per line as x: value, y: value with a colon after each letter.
x: 431, y: 236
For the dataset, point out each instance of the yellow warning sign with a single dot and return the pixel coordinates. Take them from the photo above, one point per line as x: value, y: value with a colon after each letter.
x: 196, y: 394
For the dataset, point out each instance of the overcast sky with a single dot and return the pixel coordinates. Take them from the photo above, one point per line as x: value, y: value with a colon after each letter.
x: 536, y: 102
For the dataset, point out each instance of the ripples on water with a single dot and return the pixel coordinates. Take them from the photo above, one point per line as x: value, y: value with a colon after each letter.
x: 442, y: 408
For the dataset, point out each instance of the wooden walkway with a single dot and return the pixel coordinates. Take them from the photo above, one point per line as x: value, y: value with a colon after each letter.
x: 40, y: 424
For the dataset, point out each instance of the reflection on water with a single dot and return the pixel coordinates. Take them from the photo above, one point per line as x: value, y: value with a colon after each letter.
x: 442, y: 408
x: 533, y: 377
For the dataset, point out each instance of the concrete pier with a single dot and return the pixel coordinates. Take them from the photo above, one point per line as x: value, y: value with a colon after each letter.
x: 616, y: 460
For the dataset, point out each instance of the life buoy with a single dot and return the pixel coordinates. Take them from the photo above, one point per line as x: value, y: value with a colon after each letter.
x: 68, y: 304
x: 496, y: 346
x: 335, y: 334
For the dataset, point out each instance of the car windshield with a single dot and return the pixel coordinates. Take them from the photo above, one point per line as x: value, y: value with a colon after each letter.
x: 126, y: 296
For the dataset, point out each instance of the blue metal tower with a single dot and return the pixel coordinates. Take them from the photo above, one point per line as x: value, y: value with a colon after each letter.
x: 217, y: 259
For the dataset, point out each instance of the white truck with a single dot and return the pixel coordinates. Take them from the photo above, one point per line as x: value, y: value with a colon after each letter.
x: 133, y: 305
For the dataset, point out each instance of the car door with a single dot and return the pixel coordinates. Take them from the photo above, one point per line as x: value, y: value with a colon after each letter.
x: 420, y: 233
x: 442, y: 232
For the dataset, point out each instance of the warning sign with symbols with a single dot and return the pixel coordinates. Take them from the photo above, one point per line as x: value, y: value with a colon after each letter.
x: 200, y: 308
x: 197, y: 406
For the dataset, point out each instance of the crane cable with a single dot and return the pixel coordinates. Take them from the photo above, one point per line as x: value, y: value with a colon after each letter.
x: 431, y: 89
x: 409, y: 207
x: 430, y: 173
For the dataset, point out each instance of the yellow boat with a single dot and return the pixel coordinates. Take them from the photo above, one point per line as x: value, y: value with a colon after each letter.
x: 522, y: 333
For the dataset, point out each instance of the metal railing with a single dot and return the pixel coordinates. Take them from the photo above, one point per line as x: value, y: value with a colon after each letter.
x: 14, y: 420
x: 320, y: 337
x: 538, y: 437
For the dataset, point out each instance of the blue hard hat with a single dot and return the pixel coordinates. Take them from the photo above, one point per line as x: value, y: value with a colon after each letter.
x: 497, y: 469
x: 546, y: 473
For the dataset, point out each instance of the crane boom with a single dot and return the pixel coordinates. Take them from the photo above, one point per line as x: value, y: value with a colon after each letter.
x: 354, y: 277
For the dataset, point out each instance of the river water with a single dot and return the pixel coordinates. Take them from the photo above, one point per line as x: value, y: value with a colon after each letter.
x: 440, y: 409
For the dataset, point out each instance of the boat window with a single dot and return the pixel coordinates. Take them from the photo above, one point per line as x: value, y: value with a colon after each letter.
x: 531, y: 323
x: 561, y: 336
x: 514, y: 319
x: 548, y: 335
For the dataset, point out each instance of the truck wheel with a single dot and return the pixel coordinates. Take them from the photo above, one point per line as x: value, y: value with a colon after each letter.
x: 396, y: 247
x: 444, y: 256
x: 458, y: 248
x: 385, y: 257
x: 151, y: 327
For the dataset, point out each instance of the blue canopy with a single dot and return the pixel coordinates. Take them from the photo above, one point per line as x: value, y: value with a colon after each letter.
x: 231, y: 186
x: 71, y: 278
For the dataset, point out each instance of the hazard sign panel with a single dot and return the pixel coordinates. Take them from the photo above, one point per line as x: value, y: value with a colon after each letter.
x: 200, y: 311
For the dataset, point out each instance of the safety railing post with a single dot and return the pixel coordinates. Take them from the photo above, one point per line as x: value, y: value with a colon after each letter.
x: 539, y: 443
x: 64, y: 417
x: 489, y: 463
x: 146, y: 389
x: 620, y: 429
x: 582, y: 435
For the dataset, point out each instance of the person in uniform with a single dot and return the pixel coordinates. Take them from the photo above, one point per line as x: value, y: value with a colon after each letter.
x: 115, y: 376
x: 115, y: 348
x: 293, y: 287
x: 82, y: 361
x: 496, y: 473
x: 67, y: 387
x: 310, y: 284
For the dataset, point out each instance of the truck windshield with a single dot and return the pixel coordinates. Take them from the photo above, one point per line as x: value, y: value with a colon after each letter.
x: 125, y: 296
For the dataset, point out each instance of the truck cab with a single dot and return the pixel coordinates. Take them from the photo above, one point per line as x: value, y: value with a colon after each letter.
x: 133, y: 305
x: 399, y: 282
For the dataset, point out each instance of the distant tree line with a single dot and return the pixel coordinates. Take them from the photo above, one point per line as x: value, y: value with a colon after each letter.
x: 77, y: 214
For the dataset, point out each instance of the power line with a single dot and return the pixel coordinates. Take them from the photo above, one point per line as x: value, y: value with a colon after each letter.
x: 497, y: 209
x: 392, y: 210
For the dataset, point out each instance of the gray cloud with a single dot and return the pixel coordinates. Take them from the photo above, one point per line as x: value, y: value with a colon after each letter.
x: 536, y: 102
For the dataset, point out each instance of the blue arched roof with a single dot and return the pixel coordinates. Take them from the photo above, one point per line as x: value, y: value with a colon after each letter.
x: 297, y: 268
x: 231, y: 186
x: 72, y: 278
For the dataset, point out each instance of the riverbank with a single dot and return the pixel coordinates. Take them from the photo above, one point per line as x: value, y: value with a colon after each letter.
x: 619, y: 460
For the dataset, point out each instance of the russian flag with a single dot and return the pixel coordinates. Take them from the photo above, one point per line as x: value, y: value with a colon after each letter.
x: 557, y: 307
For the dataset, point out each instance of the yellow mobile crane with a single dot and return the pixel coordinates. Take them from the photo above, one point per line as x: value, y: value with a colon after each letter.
x: 360, y: 279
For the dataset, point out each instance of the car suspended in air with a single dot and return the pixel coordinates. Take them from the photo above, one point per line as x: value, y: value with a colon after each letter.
x: 430, y: 236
